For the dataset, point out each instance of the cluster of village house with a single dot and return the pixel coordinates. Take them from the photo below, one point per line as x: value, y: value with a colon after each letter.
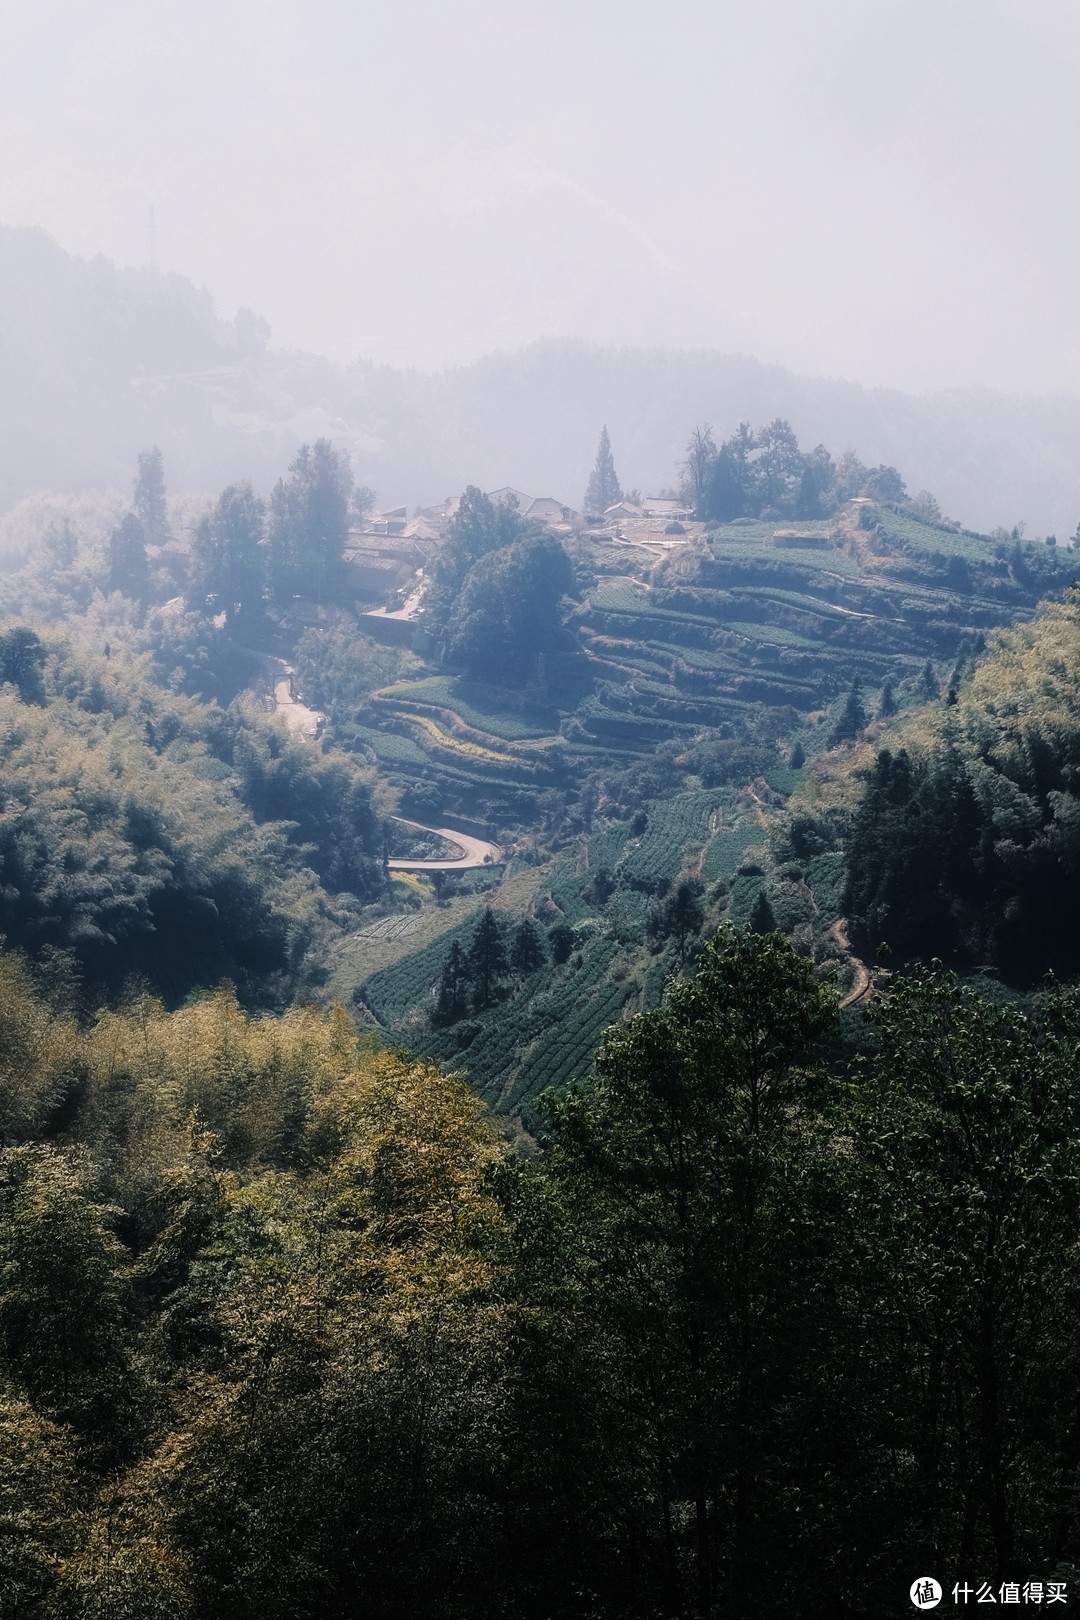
x: 391, y: 549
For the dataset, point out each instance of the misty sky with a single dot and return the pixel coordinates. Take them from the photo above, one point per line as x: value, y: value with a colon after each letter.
x: 880, y: 189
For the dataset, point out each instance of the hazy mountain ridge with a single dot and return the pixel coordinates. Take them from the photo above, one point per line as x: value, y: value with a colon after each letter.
x: 100, y: 361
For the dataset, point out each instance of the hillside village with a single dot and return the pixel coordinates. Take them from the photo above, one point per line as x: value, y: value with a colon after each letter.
x: 389, y: 551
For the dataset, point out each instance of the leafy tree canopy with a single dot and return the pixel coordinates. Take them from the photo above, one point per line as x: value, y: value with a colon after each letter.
x: 508, y: 611
x: 479, y: 526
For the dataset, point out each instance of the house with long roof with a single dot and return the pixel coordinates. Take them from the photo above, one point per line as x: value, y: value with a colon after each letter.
x: 509, y: 493
x: 546, y: 509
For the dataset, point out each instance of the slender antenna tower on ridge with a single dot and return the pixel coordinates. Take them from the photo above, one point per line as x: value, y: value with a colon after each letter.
x: 151, y: 241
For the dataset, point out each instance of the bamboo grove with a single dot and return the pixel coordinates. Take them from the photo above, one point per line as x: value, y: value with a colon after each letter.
x: 756, y: 1325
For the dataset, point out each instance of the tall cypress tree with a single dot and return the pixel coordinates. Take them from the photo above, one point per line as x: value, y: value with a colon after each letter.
x: 149, y: 495
x: 603, y: 488
x: 762, y: 918
x: 487, y: 959
x: 852, y: 718
x: 529, y: 950
x: 128, y: 569
x: 451, y: 1001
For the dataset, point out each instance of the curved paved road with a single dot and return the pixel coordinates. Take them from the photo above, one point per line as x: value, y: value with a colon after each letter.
x: 475, y: 851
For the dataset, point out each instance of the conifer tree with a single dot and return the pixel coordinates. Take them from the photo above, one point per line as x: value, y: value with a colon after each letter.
x: 487, y: 960
x: 852, y: 717
x: 149, y: 496
x: 603, y: 488
x: 127, y: 557
x: 762, y: 919
x: 527, y: 952
x: 452, y: 998
x: 684, y: 915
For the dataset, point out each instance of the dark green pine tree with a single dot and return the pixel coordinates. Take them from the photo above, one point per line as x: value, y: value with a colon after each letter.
x: 603, y: 488
x: 528, y: 952
x: 762, y: 919
x: 128, y: 570
x: 893, y: 859
x: 852, y: 718
x: 452, y: 999
x: 684, y: 915
x: 487, y: 961
x: 887, y: 706
x: 675, y: 1166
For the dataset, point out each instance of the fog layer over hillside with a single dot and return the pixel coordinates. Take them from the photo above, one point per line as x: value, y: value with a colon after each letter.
x: 96, y: 362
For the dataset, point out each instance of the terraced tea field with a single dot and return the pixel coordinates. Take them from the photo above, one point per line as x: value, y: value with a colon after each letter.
x: 546, y: 1028
x: 673, y: 651
x: 748, y: 615
x: 457, y: 698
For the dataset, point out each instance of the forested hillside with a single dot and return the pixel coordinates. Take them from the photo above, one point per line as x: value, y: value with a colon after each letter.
x: 964, y: 842
x: 285, y: 1331
x: 146, y: 833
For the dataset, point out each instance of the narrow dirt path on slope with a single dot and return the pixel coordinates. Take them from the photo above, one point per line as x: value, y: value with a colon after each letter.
x: 861, y: 984
x: 297, y: 716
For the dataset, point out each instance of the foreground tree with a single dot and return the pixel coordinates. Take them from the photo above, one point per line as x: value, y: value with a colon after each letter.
x: 38, y: 1506
x: 680, y: 1171
x: 964, y: 1215
x: 63, y: 1287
